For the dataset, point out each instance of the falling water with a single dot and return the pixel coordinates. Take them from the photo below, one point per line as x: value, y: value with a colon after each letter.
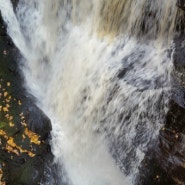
x: 100, y: 69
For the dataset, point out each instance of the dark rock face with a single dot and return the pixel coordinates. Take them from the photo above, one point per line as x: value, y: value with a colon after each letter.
x: 181, y: 4
x: 38, y: 122
x: 25, y: 154
x: 171, y: 150
x: 171, y: 146
x: 164, y: 163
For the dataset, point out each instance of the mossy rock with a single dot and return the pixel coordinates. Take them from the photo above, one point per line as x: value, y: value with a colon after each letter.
x: 24, y: 128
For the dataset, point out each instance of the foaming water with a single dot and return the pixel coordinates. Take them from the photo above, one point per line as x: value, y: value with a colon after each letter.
x: 101, y: 74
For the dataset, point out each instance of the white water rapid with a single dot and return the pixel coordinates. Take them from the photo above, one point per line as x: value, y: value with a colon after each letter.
x: 100, y: 70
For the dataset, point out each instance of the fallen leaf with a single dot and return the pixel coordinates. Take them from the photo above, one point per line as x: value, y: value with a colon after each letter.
x: 8, y: 84
x: 5, y: 94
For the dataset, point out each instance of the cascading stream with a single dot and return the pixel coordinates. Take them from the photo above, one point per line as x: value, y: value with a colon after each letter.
x: 100, y: 70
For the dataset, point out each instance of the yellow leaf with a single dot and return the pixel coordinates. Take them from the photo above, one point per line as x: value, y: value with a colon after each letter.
x: 19, y: 102
x: 5, y: 94
x: 7, y: 105
x: 8, y: 84
x: 11, y: 124
x: 22, y: 117
x: 10, y: 118
x: 34, y: 138
x: 23, y: 123
x: 7, y: 115
x: 7, y: 100
x: 13, y: 147
x: 5, y: 109
x: 3, y: 133
x: 21, y: 114
x: 23, y: 136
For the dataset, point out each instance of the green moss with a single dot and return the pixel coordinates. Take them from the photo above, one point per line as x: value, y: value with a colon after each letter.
x: 2, y: 125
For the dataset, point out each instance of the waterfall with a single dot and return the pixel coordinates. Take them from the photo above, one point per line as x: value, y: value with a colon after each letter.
x: 100, y: 70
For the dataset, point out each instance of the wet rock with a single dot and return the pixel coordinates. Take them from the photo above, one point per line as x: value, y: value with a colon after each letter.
x: 27, y: 173
x: 171, y: 154
x: 179, y: 55
x: 38, y: 122
x: 168, y: 153
x: 164, y: 163
x: 171, y: 148
x: 181, y: 4
x: 151, y: 173
x: 176, y: 117
x: 26, y: 157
